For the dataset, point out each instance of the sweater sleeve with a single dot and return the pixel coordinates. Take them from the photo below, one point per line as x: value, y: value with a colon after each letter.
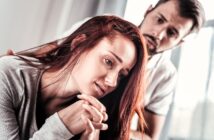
x: 53, y: 129
x: 8, y: 122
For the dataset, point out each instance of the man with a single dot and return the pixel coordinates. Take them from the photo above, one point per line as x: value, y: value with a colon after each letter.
x: 164, y: 27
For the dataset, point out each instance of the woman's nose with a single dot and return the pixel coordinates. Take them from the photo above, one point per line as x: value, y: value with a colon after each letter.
x: 111, y: 79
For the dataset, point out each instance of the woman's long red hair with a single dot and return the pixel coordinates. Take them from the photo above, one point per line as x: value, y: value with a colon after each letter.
x: 126, y: 99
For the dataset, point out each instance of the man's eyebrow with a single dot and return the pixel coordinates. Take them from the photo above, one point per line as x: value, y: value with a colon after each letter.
x: 164, y: 18
x: 119, y: 59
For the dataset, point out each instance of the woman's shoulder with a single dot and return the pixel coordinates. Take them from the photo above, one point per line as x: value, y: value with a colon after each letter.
x: 16, y: 62
x: 19, y: 69
x: 17, y: 76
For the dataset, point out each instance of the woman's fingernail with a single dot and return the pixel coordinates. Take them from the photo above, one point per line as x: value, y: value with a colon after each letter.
x: 104, y: 127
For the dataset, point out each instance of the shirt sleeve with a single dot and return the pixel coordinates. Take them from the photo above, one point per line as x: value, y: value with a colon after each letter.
x: 162, y: 95
x: 8, y: 124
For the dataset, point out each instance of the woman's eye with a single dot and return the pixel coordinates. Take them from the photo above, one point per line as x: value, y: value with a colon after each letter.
x: 108, y: 62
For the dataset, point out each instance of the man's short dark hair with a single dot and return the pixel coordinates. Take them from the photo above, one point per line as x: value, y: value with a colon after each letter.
x: 190, y: 9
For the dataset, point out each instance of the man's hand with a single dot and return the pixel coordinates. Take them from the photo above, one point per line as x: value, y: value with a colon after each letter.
x: 40, y: 51
x: 10, y: 52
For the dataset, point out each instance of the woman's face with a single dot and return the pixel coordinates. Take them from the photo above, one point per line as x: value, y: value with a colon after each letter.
x: 100, y: 69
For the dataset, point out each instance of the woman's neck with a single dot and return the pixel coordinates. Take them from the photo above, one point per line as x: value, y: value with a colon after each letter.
x: 55, y: 92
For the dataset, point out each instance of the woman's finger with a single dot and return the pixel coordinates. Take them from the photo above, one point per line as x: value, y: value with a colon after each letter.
x: 95, y: 114
x: 89, y: 133
x: 105, y: 116
x: 89, y: 128
x: 100, y: 126
x: 102, y: 116
x: 93, y: 101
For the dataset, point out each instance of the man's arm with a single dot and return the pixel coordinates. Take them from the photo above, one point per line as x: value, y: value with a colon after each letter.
x: 155, y: 124
x: 158, y: 97
x: 39, y: 51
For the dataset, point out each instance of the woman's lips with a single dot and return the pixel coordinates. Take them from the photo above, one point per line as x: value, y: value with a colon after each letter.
x: 99, y: 89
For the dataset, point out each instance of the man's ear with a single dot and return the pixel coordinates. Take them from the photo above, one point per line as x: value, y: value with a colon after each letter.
x: 78, y: 39
x: 149, y: 9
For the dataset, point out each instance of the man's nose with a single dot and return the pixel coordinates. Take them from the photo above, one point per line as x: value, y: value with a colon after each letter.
x: 111, y: 79
x: 159, y: 33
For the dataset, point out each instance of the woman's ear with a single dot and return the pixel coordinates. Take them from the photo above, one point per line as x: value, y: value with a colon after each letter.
x: 78, y: 39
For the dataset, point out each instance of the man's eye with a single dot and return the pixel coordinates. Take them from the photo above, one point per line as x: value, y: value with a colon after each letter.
x: 160, y: 20
x: 171, y: 33
x: 108, y: 62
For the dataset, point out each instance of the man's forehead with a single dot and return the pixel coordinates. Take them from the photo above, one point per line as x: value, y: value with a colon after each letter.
x: 168, y: 9
x: 170, y: 12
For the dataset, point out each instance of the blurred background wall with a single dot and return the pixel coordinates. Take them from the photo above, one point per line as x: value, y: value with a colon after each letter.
x: 28, y: 23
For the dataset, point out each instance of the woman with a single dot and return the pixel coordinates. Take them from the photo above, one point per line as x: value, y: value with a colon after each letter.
x: 55, y: 95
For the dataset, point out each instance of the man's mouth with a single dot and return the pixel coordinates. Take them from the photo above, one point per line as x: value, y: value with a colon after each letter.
x: 151, y: 44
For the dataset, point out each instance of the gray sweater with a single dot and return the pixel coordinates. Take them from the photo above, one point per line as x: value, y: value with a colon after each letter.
x: 19, y: 83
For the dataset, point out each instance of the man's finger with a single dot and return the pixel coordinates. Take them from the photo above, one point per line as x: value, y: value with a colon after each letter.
x: 10, y: 52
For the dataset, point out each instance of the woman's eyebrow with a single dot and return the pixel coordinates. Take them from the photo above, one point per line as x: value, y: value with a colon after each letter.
x: 119, y: 59
x: 116, y: 56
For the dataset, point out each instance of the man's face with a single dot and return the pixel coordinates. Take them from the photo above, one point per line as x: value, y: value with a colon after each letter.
x: 163, y: 27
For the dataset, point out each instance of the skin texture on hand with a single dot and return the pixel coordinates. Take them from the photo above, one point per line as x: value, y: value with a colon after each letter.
x: 90, y: 133
x: 84, y: 116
